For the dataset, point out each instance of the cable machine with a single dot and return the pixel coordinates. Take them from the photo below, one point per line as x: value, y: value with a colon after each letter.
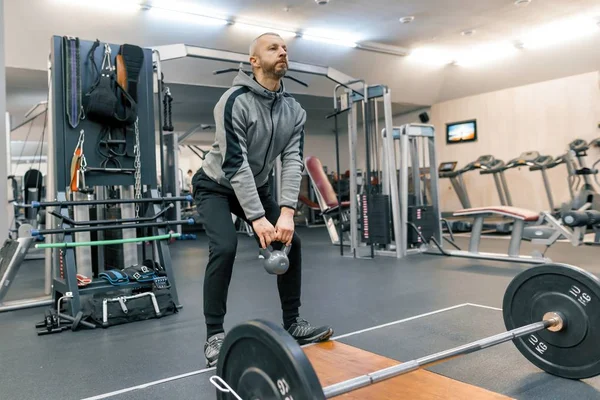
x: 370, y: 217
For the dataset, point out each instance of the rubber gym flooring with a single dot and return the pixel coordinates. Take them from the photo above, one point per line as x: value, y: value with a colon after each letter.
x: 427, y: 304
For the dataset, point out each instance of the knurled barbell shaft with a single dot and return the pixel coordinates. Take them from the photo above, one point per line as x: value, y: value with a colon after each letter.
x: 409, y: 366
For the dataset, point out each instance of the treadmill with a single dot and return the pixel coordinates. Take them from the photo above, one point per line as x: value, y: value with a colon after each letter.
x: 568, y: 161
x: 543, y: 164
x: 499, y: 224
x: 496, y: 168
x: 448, y: 170
x: 587, y: 197
x: 525, y: 159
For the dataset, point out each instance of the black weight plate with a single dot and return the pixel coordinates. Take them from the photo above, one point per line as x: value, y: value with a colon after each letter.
x: 260, y: 360
x: 572, y: 292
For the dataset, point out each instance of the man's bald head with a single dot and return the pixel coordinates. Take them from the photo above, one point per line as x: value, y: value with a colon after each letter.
x: 255, y: 42
x: 268, y: 56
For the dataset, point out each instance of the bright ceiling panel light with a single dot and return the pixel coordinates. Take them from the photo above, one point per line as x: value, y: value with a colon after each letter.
x: 560, y: 32
x: 117, y: 6
x: 258, y: 30
x: 486, y: 53
x: 187, y: 12
x: 331, y: 37
x: 431, y: 56
x: 189, y: 7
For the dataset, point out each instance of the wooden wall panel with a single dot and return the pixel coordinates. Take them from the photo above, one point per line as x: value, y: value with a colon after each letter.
x: 544, y: 117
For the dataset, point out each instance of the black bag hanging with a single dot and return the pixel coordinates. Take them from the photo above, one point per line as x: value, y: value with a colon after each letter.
x: 103, y: 104
x: 101, y: 100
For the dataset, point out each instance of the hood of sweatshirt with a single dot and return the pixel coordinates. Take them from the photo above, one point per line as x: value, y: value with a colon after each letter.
x: 242, y: 79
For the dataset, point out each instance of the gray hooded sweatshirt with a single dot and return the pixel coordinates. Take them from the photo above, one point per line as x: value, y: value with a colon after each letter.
x: 253, y: 126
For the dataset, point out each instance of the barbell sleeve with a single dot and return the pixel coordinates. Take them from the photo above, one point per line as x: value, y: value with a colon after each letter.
x: 365, y: 380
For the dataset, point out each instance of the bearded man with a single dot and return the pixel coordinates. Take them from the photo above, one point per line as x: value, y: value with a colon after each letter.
x: 256, y: 121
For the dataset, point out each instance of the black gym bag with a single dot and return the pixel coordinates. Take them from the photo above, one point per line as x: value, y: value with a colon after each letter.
x: 130, y: 307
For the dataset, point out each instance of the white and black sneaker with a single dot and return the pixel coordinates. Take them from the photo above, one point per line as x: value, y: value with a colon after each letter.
x: 212, y: 347
x: 304, y: 333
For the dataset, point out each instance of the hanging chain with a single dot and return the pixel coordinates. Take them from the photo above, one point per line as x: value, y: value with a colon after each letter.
x: 170, y: 110
x: 137, y: 164
x: 167, y: 110
x: 165, y: 127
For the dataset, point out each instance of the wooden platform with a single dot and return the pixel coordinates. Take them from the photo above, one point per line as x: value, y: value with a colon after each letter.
x: 336, y: 362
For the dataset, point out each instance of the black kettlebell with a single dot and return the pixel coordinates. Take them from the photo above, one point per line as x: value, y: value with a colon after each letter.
x: 276, y: 261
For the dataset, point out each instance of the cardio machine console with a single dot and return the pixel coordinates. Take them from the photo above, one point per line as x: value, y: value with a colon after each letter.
x: 578, y: 146
x: 448, y: 166
x: 481, y: 162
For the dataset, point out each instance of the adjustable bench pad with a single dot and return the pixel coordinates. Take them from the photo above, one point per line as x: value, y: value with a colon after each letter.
x: 512, y: 212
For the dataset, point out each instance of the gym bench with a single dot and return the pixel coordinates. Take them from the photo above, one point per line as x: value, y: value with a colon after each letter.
x: 328, y: 202
x: 520, y: 218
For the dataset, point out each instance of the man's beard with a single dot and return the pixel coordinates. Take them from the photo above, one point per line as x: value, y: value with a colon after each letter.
x: 272, y: 71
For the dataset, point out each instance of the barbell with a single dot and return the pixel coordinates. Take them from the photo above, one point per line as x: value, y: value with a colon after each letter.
x: 551, y: 312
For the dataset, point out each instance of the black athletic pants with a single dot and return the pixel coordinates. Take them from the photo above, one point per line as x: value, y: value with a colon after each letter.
x: 215, y: 204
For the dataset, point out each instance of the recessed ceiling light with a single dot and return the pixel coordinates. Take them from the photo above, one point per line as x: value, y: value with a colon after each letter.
x: 519, y: 44
x: 468, y: 32
x: 407, y: 20
x: 522, y: 2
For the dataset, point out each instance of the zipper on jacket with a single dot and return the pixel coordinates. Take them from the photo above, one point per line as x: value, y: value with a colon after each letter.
x: 270, y: 140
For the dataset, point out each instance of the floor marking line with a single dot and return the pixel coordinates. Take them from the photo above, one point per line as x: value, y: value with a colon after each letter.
x: 482, y: 306
x: 398, y: 321
x: 146, y: 385
x: 202, y: 371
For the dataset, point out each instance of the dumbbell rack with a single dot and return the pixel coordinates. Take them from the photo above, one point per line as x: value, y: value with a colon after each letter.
x: 65, y: 283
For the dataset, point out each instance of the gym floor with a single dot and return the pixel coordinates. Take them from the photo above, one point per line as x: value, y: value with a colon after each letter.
x: 425, y: 303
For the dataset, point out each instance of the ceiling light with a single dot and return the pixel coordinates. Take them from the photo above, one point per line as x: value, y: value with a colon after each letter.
x: 468, y: 32
x: 117, y: 6
x: 430, y: 56
x: 185, y: 12
x: 178, y: 16
x: 321, y: 2
x: 560, y: 32
x: 519, y: 3
x: 332, y: 37
x: 485, y: 53
x: 262, y: 29
x: 407, y: 20
x: 382, y: 48
x: 346, y: 43
x: 519, y: 44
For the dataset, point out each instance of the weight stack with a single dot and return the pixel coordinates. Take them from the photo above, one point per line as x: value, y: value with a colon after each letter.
x: 375, y: 219
x: 425, y: 222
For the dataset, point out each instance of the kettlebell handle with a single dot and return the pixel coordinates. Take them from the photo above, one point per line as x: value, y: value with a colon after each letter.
x: 266, y: 253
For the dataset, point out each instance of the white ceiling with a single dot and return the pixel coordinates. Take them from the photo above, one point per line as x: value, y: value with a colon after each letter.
x: 30, y: 24
x: 436, y: 21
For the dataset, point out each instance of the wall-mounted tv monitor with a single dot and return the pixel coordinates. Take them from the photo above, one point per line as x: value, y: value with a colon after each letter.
x: 460, y: 132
